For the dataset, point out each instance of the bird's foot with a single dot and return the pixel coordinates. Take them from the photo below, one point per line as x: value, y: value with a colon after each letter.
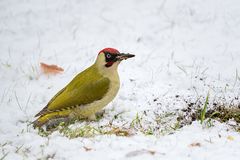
x: 96, y: 116
x: 100, y: 114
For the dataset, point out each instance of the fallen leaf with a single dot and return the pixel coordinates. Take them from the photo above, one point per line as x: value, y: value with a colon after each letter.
x: 87, y: 148
x: 197, y: 144
x: 152, y: 152
x: 231, y: 138
x: 50, y: 69
x: 119, y: 132
x: 140, y: 152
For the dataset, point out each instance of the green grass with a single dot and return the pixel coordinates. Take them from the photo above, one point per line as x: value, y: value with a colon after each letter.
x: 157, y: 124
x: 91, y: 131
x: 204, y: 110
x: 136, y: 122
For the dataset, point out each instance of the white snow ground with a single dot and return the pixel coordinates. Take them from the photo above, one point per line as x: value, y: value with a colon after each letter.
x: 182, y: 47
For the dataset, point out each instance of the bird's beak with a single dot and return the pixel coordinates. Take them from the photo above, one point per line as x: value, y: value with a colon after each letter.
x: 123, y: 56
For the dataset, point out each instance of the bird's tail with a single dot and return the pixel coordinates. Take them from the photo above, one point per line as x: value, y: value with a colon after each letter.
x: 46, y: 118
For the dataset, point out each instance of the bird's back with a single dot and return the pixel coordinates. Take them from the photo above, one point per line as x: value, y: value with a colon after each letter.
x: 85, y: 88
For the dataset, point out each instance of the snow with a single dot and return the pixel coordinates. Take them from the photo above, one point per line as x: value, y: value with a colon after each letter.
x: 185, y: 48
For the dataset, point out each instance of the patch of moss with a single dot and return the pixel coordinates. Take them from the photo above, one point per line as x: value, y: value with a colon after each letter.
x: 224, y: 114
x: 219, y: 110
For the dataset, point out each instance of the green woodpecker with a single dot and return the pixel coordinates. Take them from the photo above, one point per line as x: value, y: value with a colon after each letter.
x: 87, y: 93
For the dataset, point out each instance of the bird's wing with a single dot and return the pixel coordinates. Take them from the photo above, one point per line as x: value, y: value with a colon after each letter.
x: 85, y: 88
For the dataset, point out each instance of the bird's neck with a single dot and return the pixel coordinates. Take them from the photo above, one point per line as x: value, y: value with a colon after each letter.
x: 109, y: 72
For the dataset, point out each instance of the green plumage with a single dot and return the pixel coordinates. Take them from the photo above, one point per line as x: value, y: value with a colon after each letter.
x: 85, y: 88
x: 87, y: 93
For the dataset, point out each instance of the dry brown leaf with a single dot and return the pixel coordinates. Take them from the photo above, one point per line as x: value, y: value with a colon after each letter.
x: 140, y: 152
x: 50, y: 69
x: 197, y: 144
x: 87, y: 148
x: 120, y: 132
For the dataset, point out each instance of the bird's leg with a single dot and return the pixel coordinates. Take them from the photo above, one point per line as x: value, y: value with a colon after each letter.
x: 96, y: 116
x: 100, y: 114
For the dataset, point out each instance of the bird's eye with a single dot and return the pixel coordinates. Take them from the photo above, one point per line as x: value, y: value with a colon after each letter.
x: 108, y: 55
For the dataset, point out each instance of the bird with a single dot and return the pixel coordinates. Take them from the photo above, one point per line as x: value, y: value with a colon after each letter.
x: 87, y: 93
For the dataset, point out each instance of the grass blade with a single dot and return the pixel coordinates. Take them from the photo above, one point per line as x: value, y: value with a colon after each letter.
x: 204, y: 110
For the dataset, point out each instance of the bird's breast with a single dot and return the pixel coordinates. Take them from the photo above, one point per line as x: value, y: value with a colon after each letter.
x: 112, y: 92
x: 97, y: 105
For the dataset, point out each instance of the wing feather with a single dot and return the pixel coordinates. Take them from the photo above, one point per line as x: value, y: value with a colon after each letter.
x: 85, y: 88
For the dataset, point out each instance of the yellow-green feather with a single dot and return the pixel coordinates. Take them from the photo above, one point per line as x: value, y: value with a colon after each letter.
x: 85, y: 95
x: 85, y: 88
x: 46, y: 117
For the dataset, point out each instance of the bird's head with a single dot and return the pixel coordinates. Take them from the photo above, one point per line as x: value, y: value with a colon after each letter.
x: 109, y: 58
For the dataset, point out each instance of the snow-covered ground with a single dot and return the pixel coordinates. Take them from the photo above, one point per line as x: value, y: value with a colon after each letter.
x: 184, y: 49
